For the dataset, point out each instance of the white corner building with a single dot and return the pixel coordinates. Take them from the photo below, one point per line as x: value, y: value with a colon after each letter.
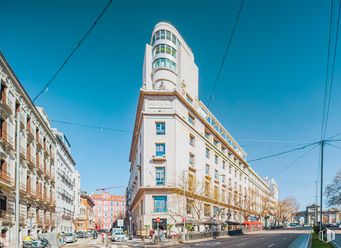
x: 185, y: 166
x: 65, y: 184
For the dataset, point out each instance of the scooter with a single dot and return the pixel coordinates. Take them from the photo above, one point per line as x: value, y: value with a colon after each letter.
x: 41, y: 243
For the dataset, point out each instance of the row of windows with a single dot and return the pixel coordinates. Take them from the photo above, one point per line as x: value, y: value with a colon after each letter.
x: 162, y: 48
x: 161, y: 151
x: 162, y: 62
x: 165, y: 34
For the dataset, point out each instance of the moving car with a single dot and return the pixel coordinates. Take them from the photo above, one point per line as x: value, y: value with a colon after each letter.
x: 118, y: 235
x: 70, y: 237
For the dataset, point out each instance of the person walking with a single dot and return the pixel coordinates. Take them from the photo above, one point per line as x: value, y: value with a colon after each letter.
x: 3, y: 240
x: 151, y: 234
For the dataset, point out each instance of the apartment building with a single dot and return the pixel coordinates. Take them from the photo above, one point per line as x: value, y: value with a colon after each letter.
x: 85, y: 221
x: 37, y: 149
x: 108, y: 209
x: 185, y: 166
x: 77, y: 198
x: 65, y: 184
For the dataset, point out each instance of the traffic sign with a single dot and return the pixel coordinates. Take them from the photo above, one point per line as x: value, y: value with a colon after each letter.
x: 157, y: 219
x: 120, y: 222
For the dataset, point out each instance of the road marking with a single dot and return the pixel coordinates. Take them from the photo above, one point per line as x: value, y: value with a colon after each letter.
x: 262, y: 238
x: 284, y: 238
x: 271, y: 245
x: 242, y: 244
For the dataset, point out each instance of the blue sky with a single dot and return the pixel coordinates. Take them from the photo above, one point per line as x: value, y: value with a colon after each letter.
x: 271, y: 87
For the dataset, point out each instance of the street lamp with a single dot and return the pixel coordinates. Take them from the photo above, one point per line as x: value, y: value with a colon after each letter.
x: 130, y: 219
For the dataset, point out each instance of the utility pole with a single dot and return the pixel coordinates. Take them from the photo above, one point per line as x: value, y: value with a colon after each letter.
x: 17, y: 183
x: 321, y: 189
x: 185, y: 208
x: 316, y: 202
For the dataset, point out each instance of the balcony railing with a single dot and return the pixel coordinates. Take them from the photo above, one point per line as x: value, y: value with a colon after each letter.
x: 6, y: 102
x: 7, y: 138
x: 22, y: 150
x: 6, y: 177
x: 39, y: 140
x: 52, y: 177
x: 33, y: 192
x: 30, y: 130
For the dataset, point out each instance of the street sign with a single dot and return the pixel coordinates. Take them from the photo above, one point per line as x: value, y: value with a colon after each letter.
x: 327, y: 235
x: 120, y: 222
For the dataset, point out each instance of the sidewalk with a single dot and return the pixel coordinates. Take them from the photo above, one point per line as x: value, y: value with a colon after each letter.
x: 145, y: 243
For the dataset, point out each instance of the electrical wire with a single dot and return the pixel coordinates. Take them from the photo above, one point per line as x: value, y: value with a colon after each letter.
x: 329, y: 88
x: 284, y: 152
x: 327, y: 68
x: 337, y: 147
x: 79, y: 43
x: 333, y: 67
x: 228, y: 45
x: 293, y: 162
x: 92, y: 126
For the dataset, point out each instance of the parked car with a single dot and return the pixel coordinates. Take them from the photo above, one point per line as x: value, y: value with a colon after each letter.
x: 70, y: 237
x: 88, y: 234
x: 293, y: 225
x: 80, y: 234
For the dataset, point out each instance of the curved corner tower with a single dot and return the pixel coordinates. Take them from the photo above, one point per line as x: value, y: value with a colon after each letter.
x: 169, y: 62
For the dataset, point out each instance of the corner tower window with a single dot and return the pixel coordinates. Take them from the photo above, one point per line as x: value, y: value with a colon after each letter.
x: 165, y: 63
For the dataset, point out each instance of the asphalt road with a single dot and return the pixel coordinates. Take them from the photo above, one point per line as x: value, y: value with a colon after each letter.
x: 251, y: 240
x: 267, y: 239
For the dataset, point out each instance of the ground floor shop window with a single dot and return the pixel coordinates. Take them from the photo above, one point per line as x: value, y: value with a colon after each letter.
x: 162, y: 225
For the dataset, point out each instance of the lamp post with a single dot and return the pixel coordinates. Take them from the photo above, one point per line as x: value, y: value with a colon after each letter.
x: 130, y: 234
x: 17, y: 183
x: 185, y: 203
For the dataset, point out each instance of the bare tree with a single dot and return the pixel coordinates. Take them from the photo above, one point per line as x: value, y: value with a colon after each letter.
x: 286, y: 208
x: 333, y: 191
x: 250, y: 206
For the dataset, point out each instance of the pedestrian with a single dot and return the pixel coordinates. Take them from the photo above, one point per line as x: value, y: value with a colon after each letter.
x: 3, y: 240
x: 143, y: 234
x: 151, y: 234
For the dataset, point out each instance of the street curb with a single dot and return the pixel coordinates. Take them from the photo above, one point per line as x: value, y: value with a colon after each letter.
x: 335, y: 245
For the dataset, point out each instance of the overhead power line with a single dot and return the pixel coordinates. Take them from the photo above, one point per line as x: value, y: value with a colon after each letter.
x: 79, y: 43
x: 92, y: 126
x: 228, y: 45
x: 293, y: 162
x: 331, y: 59
x: 284, y: 152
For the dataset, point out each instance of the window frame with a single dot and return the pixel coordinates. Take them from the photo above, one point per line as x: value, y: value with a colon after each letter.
x: 160, y: 131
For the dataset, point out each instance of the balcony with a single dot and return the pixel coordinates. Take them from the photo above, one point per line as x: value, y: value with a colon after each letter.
x: 24, y: 188
x: 52, y: 177
x: 39, y: 141
x: 30, y: 158
x: 41, y: 197
x: 32, y: 193
x: 6, y: 139
x: 40, y: 167
x: 5, y: 105
x: 30, y: 132
x: 6, y: 179
x: 40, y: 221
x: 22, y: 151
x: 160, y: 158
